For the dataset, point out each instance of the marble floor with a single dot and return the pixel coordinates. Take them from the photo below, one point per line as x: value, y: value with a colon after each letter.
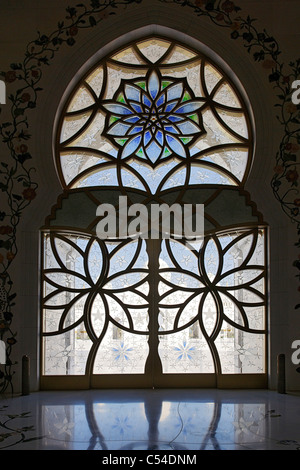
x: 151, y: 420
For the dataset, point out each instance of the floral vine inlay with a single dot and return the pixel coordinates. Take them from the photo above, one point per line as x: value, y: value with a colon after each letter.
x: 17, y: 182
x: 12, y: 435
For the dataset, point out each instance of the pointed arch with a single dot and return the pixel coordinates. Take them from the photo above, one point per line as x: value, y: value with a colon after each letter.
x: 159, y: 122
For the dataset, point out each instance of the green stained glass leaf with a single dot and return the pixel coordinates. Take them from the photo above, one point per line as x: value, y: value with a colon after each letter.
x: 194, y: 117
x: 113, y: 119
x: 187, y: 96
x: 140, y: 153
x: 185, y: 140
x: 141, y: 85
x: 121, y: 142
x: 121, y: 98
x: 165, y: 84
x: 167, y: 152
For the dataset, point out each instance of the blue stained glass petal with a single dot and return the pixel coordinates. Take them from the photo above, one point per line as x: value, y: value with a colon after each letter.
x: 160, y: 100
x: 153, y: 151
x: 119, y: 129
x: 136, y: 107
x: 174, y: 118
x: 189, y: 107
x: 175, y: 91
x: 146, y: 101
x: 131, y: 146
x: 159, y: 137
x: 175, y: 145
x: 136, y: 130
x: 116, y: 108
x: 132, y: 119
x: 132, y: 92
x: 171, y: 129
x: 188, y: 127
x: 170, y: 106
x: 147, y: 138
x: 153, y: 85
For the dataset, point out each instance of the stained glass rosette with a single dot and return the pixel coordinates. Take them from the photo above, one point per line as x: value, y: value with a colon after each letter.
x: 153, y: 117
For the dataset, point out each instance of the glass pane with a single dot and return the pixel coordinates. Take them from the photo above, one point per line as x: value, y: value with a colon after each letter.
x: 121, y: 352
x: 81, y: 100
x: 95, y: 305
x: 95, y: 80
x: 212, y: 299
x: 185, y: 353
x: 66, y: 353
x: 241, y: 352
x: 154, y: 129
x: 154, y: 49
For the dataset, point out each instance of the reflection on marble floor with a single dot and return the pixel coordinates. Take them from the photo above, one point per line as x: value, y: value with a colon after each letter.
x: 170, y: 420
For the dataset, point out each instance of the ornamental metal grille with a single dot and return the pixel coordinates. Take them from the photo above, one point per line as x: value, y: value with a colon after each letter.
x: 153, y: 121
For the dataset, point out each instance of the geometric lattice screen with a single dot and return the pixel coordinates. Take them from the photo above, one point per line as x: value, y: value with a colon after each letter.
x: 155, y: 122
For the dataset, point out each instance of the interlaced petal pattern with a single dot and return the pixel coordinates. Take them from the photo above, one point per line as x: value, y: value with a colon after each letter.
x: 138, y: 109
x: 219, y: 292
x: 153, y: 118
x: 208, y: 296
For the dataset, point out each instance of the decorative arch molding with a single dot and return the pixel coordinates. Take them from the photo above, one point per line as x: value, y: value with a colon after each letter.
x: 17, y: 176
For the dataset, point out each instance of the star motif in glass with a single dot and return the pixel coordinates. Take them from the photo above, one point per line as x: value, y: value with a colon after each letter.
x: 153, y: 118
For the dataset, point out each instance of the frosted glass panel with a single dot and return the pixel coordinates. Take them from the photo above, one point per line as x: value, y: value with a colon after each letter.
x: 212, y: 304
x: 96, y: 305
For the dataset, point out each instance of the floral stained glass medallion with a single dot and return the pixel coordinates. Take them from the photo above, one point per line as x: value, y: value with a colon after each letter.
x: 154, y: 118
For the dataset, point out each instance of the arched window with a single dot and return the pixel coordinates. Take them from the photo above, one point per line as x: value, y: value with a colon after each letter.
x: 156, y: 122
